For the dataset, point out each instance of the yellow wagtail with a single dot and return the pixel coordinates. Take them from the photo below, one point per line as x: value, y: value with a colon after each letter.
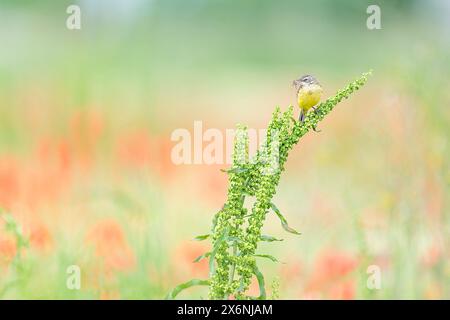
x: 309, y: 92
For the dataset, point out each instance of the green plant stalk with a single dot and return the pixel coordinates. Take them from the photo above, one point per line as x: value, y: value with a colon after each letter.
x: 235, y: 233
x: 231, y: 217
x: 264, y: 186
x: 22, y: 242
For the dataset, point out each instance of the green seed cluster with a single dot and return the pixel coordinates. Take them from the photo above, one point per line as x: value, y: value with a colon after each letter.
x: 230, y: 219
x: 236, y: 233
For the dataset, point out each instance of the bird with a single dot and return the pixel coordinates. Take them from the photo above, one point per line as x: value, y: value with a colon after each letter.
x: 309, y: 92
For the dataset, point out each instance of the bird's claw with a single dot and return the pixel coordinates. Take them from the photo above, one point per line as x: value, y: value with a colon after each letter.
x: 316, y: 110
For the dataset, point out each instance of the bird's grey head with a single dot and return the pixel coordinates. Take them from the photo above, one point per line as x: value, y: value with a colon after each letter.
x: 306, y: 79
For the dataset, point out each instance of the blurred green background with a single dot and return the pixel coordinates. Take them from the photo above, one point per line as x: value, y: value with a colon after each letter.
x: 86, y: 118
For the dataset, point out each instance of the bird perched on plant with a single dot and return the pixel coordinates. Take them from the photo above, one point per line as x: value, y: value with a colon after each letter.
x: 309, y: 92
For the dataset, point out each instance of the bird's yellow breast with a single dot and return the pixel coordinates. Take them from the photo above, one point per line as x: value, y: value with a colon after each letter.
x: 309, y: 96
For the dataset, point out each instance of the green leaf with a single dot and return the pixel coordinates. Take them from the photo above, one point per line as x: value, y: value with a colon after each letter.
x: 234, y: 170
x: 202, y: 237
x: 194, y: 282
x: 261, y: 283
x: 283, y: 220
x: 269, y: 238
x: 203, y: 256
x: 241, y: 286
x: 217, y: 244
x: 266, y: 256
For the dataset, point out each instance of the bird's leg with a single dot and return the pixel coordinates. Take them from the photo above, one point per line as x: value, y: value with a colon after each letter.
x: 315, y: 111
x: 315, y: 108
x: 301, y: 117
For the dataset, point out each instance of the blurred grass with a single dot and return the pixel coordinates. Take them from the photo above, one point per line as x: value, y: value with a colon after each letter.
x: 85, y: 123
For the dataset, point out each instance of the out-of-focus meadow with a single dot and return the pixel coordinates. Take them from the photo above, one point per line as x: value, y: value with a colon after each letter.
x: 86, y: 118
